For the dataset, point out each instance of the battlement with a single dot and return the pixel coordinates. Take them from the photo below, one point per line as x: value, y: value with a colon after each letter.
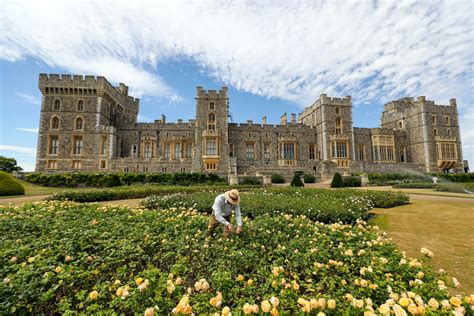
x: 211, y: 94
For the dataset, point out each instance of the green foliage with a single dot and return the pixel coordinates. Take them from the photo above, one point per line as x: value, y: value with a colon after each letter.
x: 328, y: 206
x: 296, y: 182
x: 414, y: 185
x: 309, y: 178
x: 9, y: 186
x: 278, y: 178
x: 55, y: 254
x: 352, y: 181
x: 133, y: 192
x: 117, y: 179
x: 467, y: 187
x: 250, y: 181
x: 337, y: 181
x: 9, y: 164
x: 455, y: 177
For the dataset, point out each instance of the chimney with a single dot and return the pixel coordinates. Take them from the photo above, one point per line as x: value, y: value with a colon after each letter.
x: 123, y: 88
x: 421, y: 99
x: 163, y: 119
x: 264, y: 120
x: 249, y: 122
x: 293, y: 118
x: 452, y: 102
x: 283, y: 119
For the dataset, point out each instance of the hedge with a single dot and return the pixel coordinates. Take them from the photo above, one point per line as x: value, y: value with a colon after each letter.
x: 309, y: 178
x: 278, y: 178
x: 118, y: 179
x: 9, y: 186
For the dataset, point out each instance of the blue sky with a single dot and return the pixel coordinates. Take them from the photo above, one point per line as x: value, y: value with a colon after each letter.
x: 275, y: 57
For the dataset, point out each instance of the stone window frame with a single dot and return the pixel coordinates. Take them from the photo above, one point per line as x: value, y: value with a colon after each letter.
x: 282, y: 151
x: 80, y: 105
x: 337, y: 149
x: 52, y: 125
x: 400, y: 124
x: 51, y: 164
x: 383, y: 148
x: 447, y: 120
x: 337, y: 110
x: 250, y: 155
x: 103, y: 164
x: 211, y: 122
x: 361, y: 152
x: 76, y: 120
x: 449, y: 132
x: 217, y: 149
x: 267, y: 154
x: 77, y: 150
x: 212, y: 105
x: 57, y: 104
x: 338, y: 126
x: 104, y: 146
x: 433, y: 119
x: 435, y: 132
x: 312, y: 151
x: 231, y: 150
x: 52, y: 152
x: 76, y: 164
x: 211, y: 166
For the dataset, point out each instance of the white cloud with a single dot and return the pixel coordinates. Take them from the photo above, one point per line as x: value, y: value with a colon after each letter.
x: 21, y: 150
x: 29, y: 98
x: 373, y: 50
x: 143, y: 118
x: 29, y: 130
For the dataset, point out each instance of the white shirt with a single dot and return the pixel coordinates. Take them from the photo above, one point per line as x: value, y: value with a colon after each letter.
x: 221, y: 208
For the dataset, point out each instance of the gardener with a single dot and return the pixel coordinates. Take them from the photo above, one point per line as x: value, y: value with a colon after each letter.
x: 222, y: 212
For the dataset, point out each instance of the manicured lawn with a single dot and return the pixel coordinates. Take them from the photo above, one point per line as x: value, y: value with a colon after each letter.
x: 445, y: 227
x: 33, y: 189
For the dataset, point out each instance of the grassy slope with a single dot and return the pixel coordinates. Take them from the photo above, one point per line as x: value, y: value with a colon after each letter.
x: 33, y: 189
x: 447, y: 228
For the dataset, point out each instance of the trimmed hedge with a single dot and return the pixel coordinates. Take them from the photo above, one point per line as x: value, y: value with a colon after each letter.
x: 337, y: 181
x: 467, y: 187
x: 118, y: 179
x: 392, y: 178
x: 352, y: 182
x: 296, y: 182
x: 250, y: 181
x: 278, y: 178
x: 309, y: 178
x: 414, y: 185
x: 9, y: 186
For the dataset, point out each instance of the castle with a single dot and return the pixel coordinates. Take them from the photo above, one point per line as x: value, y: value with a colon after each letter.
x: 88, y: 125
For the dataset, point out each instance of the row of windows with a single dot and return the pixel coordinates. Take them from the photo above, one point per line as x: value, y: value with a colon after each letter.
x: 78, y: 123
x: 79, y: 105
x: 435, y: 132
x: 147, y: 169
x: 75, y: 164
x: 447, y: 120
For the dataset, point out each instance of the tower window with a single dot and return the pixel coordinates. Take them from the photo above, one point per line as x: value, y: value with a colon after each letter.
x: 79, y: 124
x: 77, y: 143
x: 435, y: 132
x: 433, y: 119
x: 211, y: 106
x: 400, y: 124
x: 449, y: 132
x: 447, y: 120
x: 57, y: 105
x: 338, y: 126
x: 55, y: 122
x: 80, y: 105
x: 211, y: 122
x: 53, y: 145
x: 338, y: 110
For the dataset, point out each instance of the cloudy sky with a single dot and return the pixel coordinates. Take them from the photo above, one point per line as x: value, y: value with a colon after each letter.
x: 274, y: 56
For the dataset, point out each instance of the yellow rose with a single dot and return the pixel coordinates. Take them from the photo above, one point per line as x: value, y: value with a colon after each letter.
x: 188, y: 310
x: 331, y: 304
x: 349, y: 297
x: 240, y: 277
x: 139, y: 281
x: 275, y: 301
x: 213, y: 301
x: 456, y: 301
x: 433, y: 303
x: 119, y: 291
x: 266, y: 306
x: 179, y: 281
x: 149, y: 311
x: 68, y: 258
x: 384, y: 309
x: 117, y: 282
x: 420, y: 275
x: 412, y: 308
x: 274, y: 312
x: 225, y: 311
x: 404, y: 301
x: 248, y: 309
x: 250, y: 282
x: 93, y: 295
x: 296, y: 286
x: 58, y: 269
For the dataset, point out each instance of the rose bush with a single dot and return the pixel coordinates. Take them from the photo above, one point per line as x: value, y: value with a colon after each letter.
x: 64, y: 257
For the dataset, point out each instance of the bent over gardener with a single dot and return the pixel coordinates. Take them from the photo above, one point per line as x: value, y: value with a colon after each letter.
x: 222, y: 212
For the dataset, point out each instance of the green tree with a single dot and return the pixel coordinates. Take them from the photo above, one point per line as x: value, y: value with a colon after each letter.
x: 337, y: 181
x: 296, y: 182
x: 9, y: 164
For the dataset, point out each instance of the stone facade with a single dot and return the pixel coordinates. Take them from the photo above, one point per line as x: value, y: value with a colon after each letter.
x: 87, y: 125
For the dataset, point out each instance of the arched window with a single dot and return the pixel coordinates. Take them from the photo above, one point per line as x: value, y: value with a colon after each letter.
x: 55, y: 122
x: 400, y: 124
x: 433, y: 119
x: 337, y: 110
x: 57, y: 105
x: 211, y: 106
x: 79, y: 123
x: 449, y: 132
x: 447, y: 120
x: 80, y: 105
x: 211, y: 123
x: 435, y: 132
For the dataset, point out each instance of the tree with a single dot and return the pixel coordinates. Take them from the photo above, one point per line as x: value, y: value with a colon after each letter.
x: 337, y: 181
x: 9, y: 164
x: 296, y: 182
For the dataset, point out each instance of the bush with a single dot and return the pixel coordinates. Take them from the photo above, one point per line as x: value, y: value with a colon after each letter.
x: 309, y: 178
x: 337, y: 181
x: 387, y: 199
x: 116, y: 179
x: 414, y: 185
x: 296, y: 182
x: 467, y: 187
x: 250, y: 181
x: 9, y: 186
x: 455, y: 177
x: 352, y: 182
x: 278, y: 178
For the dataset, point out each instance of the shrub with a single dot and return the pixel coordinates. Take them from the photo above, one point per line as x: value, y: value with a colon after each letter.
x: 467, y: 187
x: 278, y: 178
x: 337, y: 181
x: 250, y: 181
x: 387, y: 199
x: 352, y: 182
x: 414, y: 185
x: 309, y: 178
x: 296, y: 182
x: 9, y: 186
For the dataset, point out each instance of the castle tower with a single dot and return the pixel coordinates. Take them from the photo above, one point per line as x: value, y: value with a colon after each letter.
x: 211, y: 133
x: 78, y: 122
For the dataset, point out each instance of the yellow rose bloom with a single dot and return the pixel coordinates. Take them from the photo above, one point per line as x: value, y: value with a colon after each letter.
x: 139, y: 281
x: 240, y: 277
x: 433, y: 303
x: 250, y: 282
x: 412, y: 308
x: 266, y: 306
x: 117, y: 282
x: 149, y: 311
x: 225, y: 311
x: 58, y: 269
x: 93, y: 295
x: 274, y: 312
x: 404, y: 302
x: 456, y: 301
x: 213, y: 301
x: 274, y: 301
x: 384, y: 309
x: 331, y: 304
x: 248, y: 309
x: 349, y: 297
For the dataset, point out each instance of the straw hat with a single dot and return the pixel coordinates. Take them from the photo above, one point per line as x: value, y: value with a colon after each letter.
x: 232, y: 196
